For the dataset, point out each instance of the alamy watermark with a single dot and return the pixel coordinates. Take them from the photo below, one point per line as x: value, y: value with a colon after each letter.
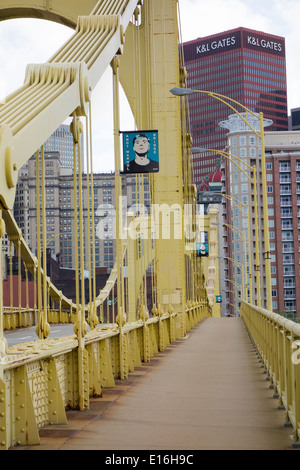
x: 156, y: 221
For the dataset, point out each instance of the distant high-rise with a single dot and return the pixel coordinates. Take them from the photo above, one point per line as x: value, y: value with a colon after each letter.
x: 245, y: 65
x: 294, y: 123
x: 62, y: 141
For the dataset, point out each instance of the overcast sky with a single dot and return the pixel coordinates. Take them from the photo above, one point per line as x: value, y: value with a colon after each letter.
x: 34, y: 41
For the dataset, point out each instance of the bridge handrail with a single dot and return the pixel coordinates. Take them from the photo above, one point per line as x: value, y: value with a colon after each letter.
x: 277, y: 341
x: 40, y: 379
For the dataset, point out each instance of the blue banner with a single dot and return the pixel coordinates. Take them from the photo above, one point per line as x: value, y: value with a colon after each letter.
x: 202, y: 249
x: 140, y: 152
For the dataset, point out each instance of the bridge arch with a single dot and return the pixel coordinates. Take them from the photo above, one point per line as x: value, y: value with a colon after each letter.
x: 65, y: 12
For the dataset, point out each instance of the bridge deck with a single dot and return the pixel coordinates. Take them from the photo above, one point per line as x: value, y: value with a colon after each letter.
x: 207, y: 391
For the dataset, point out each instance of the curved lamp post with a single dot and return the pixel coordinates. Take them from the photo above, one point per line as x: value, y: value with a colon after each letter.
x: 229, y: 102
x: 241, y: 235
x: 253, y: 181
x: 243, y: 269
x: 238, y: 204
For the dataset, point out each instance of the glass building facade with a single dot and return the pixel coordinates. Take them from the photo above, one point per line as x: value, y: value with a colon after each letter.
x: 62, y: 141
x: 245, y: 65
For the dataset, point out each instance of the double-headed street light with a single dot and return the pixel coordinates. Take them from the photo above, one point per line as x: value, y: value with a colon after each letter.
x: 229, y: 102
x: 237, y: 203
x: 231, y: 157
x: 232, y: 291
x: 226, y: 279
x: 243, y: 270
x: 226, y: 291
x: 237, y: 286
x: 241, y: 235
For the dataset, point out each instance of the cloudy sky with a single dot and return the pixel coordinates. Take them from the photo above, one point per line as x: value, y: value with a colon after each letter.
x: 33, y: 41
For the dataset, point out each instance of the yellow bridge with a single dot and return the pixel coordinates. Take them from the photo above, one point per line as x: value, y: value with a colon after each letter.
x: 42, y: 381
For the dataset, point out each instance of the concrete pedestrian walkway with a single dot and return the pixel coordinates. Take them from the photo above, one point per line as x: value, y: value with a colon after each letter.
x: 205, y: 392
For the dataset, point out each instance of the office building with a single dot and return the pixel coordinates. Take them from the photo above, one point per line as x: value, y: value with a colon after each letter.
x: 239, y: 189
x: 62, y: 141
x: 294, y: 120
x: 245, y: 65
x: 282, y: 150
x: 60, y: 214
x: 283, y: 177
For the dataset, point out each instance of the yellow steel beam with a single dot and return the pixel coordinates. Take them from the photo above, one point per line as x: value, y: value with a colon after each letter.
x: 54, y: 90
x: 61, y: 11
x: 146, y: 77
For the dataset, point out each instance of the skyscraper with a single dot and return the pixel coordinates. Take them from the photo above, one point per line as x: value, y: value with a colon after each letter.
x: 245, y: 65
x: 62, y: 141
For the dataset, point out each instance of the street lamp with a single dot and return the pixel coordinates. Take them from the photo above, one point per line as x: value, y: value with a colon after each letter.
x: 230, y: 157
x: 241, y: 235
x: 237, y: 203
x: 229, y: 102
x: 234, y: 306
x: 232, y: 291
x: 226, y: 279
x: 237, y: 286
x: 243, y: 269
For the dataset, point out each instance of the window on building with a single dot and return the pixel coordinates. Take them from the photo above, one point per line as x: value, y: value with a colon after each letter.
x: 284, y: 166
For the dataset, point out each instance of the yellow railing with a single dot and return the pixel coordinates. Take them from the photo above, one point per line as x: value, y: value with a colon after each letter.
x: 277, y: 341
x: 43, y: 378
x: 39, y: 380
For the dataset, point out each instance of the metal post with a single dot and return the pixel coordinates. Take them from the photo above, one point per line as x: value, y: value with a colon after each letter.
x: 265, y: 215
x: 120, y: 274
x: 256, y: 241
x: 3, y: 342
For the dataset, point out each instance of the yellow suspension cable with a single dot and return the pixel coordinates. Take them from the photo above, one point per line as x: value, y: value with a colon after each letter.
x: 118, y: 192
x: 27, y: 292
x: 81, y: 228
x: 45, y: 329
x: 90, y: 194
x: 11, y: 288
x: 39, y: 255
x: 92, y: 205
x: 19, y: 275
x: 34, y: 289
x: 75, y: 222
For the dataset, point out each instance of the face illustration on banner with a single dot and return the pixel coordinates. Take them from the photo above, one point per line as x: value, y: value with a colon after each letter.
x: 140, y: 152
x: 141, y: 146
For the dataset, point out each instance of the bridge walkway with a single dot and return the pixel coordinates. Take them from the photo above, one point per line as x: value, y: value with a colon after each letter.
x: 207, y: 391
